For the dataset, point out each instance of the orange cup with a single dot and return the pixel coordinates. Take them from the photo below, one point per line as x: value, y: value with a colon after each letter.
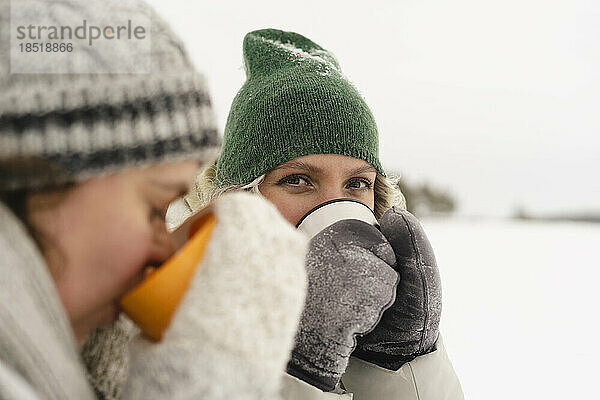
x: 152, y: 303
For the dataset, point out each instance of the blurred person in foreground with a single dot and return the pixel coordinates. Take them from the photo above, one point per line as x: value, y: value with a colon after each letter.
x: 88, y: 167
x: 300, y: 134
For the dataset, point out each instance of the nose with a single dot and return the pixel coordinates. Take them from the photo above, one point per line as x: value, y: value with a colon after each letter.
x: 330, y: 193
x: 163, y: 247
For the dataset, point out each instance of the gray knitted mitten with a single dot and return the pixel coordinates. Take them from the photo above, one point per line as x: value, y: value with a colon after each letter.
x: 409, y: 328
x: 350, y: 283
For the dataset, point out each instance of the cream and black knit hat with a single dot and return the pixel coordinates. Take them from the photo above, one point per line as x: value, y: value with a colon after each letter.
x: 60, y: 128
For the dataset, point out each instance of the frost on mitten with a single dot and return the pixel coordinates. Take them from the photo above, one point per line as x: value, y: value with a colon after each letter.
x: 351, y: 281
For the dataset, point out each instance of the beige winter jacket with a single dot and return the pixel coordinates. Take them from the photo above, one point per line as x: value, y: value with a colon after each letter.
x: 429, y: 377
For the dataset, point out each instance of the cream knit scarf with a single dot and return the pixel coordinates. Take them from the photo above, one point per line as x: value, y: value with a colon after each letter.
x: 36, y: 341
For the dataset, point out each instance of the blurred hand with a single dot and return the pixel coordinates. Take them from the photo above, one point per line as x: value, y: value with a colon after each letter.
x: 234, y: 329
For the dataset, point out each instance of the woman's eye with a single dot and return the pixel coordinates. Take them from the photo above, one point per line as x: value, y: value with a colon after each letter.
x: 295, y: 180
x: 157, y: 213
x: 359, y: 184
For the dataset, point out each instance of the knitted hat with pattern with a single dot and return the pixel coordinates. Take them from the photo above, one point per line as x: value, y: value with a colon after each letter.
x: 295, y: 102
x: 58, y: 128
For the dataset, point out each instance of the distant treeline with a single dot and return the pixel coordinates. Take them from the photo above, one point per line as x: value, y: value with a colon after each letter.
x: 426, y: 199
x: 522, y: 214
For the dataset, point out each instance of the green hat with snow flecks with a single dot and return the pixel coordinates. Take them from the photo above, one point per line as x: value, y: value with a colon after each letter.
x: 295, y: 102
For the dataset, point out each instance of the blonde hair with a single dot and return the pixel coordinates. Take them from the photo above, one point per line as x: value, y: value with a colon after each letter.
x: 387, y: 191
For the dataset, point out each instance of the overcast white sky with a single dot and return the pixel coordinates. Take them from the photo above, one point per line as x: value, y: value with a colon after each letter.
x: 497, y: 101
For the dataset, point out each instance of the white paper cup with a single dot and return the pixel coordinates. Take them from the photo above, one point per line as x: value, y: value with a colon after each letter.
x: 332, y: 211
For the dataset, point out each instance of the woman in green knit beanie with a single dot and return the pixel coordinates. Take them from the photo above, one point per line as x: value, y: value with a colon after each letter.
x: 300, y: 134
x: 296, y: 105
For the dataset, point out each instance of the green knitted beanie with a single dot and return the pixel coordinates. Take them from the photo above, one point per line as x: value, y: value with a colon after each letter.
x: 295, y: 102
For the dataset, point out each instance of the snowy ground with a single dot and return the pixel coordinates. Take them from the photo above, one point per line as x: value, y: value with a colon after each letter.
x: 520, y: 306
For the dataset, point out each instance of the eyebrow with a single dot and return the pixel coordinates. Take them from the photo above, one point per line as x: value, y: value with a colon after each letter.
x: 300, y: 165
x: 363, y: 169
x: 311, y: 168
x: 180, y: 187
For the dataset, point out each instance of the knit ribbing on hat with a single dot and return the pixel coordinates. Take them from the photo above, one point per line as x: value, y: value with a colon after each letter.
x: 83, y: 125
x: 90, y: 139
x: 294, y: 102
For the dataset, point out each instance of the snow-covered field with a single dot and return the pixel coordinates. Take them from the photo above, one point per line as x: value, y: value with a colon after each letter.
x: 520, y: 313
